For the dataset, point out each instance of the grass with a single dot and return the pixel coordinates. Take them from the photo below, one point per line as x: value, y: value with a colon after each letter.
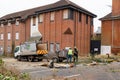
x: 114, y: 70
x: 11, y: 73
x: 99, y: 59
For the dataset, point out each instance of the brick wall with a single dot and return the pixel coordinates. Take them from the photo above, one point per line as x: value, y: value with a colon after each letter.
x: 115, y: 7
x: 53, y: 32
x: 12, y: 29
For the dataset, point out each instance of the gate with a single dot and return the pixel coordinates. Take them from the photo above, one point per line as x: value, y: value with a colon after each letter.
x: 95, y: 46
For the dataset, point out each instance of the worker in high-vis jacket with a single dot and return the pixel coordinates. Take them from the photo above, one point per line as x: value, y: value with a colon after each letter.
x: 70, y: 53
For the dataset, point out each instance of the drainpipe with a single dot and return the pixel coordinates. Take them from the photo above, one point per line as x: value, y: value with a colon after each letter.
x: 75, y: 29
x: 25, y: 30
x: 4, y: 39
x: 112, y: 31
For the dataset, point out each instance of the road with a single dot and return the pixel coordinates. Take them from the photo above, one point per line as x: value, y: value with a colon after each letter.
x: 80, y: 72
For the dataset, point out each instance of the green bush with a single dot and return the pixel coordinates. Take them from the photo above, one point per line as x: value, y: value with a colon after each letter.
x: 1, y: 76
x: 1, y: 62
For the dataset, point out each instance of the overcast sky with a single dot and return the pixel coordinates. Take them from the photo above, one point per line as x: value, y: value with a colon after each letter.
x: 98, y: 7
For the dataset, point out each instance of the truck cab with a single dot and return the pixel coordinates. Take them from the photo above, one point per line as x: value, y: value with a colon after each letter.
x: 17, y: 51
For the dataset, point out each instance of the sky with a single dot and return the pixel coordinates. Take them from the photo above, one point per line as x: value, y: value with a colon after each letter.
x: 98, y: 7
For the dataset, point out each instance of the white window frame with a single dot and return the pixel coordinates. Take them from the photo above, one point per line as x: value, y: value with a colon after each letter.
x: 17, y: 35
x: 41, y: 18
x: 1, y: 36
x: 52, y: 16
x: 9, y: 36
x: 65, y: 14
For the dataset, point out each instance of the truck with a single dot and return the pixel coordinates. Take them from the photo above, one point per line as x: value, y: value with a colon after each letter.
x: 32, y: 51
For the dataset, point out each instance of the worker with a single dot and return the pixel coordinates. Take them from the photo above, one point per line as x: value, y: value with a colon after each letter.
x: 70, y: 53
x: 75, y: 55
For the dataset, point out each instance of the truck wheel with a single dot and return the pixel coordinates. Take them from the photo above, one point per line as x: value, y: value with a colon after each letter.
x: 30, y: 58
x: 55, y: 60
x: 60, y: 59
x: 19, y: 58
x: 39, y: 59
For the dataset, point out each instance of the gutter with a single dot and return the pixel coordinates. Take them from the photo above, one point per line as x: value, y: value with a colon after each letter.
x: 65, y: 7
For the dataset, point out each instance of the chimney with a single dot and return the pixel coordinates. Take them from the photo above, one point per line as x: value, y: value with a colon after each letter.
x: 115, y: 7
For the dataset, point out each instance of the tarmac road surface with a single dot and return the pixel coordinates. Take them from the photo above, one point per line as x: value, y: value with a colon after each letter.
x: 80, y: 72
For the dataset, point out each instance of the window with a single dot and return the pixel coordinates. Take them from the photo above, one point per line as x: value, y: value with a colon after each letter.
x: 2, y: 24
x: 68, y: 14
x: 86, y: 19
x: 17, y: 22
x: 1, y: 36
x: 65, y: 14
x: 9, y: 49
x: 52, y: 47
x: 34, y: 21
x: 17, y: 49
x: 9, y: 24
x: 9, y: 36
x: 91, y: 21
x: 41, y: 18
x: 52, y: 16
x: 17, y: 36
x: 71, y: 13
x: 1, y: 50
x: 80, y: 17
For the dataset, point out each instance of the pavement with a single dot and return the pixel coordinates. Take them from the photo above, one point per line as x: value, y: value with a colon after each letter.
x: 79, y: 72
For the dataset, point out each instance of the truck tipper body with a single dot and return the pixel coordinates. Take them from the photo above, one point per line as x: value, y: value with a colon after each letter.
x: 31, y: 51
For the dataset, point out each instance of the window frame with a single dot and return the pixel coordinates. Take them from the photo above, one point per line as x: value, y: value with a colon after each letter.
x: 52, y: 16
x: 9, y: 23
x: 9, y: 36
x: 66, y: 14
x: 86, y: 19
x: 70, y: 14
x: 17, y: 35
x: 80, y: 16
x: 34, y: 21
x: 17, y: 22
x: 1, y: 36
x: 2, y: 25
x: 91, y: 21
x: 41, y: 18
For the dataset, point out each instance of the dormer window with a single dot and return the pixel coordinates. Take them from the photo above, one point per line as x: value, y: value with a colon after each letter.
x: 2, y: 25
x: 9, y: 23
x: 17, y: 22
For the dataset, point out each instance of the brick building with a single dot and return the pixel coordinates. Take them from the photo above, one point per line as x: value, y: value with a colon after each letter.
x: 61, y: 24
x: 111, y: 28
